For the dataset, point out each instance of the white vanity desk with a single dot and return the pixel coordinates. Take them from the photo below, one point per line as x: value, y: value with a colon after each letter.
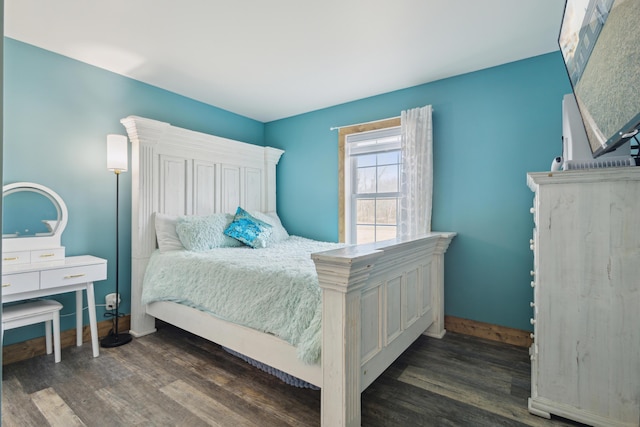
x: 39, y: 279
x: 34, y: 264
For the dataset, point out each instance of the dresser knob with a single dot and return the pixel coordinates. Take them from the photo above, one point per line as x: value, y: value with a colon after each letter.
x: 533, y: 321
x: 533, y: 284
x: 532, y: 335
x: 532, y: 273
x: 532, y: 304
x: 532, y: 210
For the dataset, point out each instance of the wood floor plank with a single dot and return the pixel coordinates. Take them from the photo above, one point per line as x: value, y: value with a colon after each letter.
x: 494, y: 401
x: 424, y: 408
x: 80, y: 394
x: 205, y: 407
x: 194, y: 362
x: 264, y: 403
x: 135, y: 403
x: 246, y: 387
x: 150, y: 365
x: 18, y: 410
x: 54, y: 409
x: 173, y: 378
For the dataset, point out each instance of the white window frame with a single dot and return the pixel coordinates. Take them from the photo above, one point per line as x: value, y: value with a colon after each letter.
x: 368, y: 142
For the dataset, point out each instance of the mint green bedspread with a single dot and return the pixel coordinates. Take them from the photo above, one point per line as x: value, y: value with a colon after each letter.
x: 273, y: 290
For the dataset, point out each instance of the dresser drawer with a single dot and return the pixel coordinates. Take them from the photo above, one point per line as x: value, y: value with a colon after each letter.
x: 73, y: 275
x: 18, y: 257
x: 20, y: 282
x: 45, y: 255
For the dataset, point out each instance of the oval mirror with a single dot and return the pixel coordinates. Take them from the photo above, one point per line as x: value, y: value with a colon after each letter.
x: 33, y: 217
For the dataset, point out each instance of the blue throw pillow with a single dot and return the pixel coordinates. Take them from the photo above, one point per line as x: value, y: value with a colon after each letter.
x: 249, y: 230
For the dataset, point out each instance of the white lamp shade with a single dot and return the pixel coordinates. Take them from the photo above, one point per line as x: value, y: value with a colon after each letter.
x: 117, y: 156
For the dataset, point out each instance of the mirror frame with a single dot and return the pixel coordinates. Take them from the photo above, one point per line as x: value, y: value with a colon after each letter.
x: 28, y: 243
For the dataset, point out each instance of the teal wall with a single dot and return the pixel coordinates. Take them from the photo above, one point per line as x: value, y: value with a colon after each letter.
x: 490, y: 128
x: 57, y: 113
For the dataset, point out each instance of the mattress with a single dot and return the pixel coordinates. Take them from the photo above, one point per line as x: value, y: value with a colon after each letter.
x: 273, y: 290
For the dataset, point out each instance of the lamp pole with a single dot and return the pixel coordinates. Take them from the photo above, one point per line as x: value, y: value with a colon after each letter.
x: 117, y: 162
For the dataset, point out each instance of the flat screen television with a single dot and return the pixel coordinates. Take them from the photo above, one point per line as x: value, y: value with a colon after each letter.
x: 600, y: 45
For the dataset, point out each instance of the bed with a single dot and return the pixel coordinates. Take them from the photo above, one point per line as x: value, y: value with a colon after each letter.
x: 375, y: 299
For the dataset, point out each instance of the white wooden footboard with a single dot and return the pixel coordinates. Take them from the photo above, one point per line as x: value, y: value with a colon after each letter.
x: 377, y: 299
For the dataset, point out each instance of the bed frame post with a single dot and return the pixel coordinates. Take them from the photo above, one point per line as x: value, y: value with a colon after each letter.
x: 144, y: 134
x: 271, y: 159
x: 340, y: 278
x: 437, y: 329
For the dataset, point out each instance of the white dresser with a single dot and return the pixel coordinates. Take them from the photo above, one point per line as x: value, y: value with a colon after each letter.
x: 585, y: 359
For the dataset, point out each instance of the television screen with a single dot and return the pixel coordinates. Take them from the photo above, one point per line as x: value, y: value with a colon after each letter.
x: 600, y: 44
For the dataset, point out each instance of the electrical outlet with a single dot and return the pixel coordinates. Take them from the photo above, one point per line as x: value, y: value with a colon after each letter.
x: 110, y: 301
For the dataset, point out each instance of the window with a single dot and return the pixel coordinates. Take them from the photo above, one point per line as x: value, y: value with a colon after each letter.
x: 372, y: 185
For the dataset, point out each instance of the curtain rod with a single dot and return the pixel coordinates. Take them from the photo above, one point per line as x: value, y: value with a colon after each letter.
x: 364, y: 123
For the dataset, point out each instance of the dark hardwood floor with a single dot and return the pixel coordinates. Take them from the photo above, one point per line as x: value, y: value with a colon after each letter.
x: 172, y: 378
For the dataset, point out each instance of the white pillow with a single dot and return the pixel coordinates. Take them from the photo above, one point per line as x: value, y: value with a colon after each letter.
x: 278, y: 232
x: 166, y: 235
x: 203, y: 233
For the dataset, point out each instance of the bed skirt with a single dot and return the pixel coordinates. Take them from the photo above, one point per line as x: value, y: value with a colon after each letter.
x: 283, y: 376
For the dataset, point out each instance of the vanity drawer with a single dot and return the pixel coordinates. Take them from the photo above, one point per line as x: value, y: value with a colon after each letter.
x: 44, y: 255
x: 73, y: 275
x: 17, y: 257
x: 20, y: 282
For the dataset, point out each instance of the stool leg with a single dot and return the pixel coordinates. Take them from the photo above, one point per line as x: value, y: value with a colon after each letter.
x: 47, y: 335
x: 56, y: 336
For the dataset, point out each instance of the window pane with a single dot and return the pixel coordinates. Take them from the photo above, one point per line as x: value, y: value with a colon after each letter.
x: 389, y: 158
x: 385, y: 233
x: 388, y: 179
x: 365, y: 234
x: 366, y: 160
x: 365, y: 211
x: 374, y: 182
x: 366, y: 180
x: 388, y: 139
x: 386, y: 211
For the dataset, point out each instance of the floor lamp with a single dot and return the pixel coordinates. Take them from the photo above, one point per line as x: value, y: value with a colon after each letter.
x: 116, y: 162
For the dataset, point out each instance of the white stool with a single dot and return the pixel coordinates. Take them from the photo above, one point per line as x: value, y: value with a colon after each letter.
x: 29, y: 313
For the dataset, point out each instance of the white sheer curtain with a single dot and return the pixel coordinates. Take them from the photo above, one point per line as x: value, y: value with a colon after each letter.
x: 416, y: 176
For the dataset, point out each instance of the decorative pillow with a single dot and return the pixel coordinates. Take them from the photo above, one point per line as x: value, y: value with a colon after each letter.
x: 202, y: 233
x: 279, y: 233
x: 249, y: 230
x: 166, y: 235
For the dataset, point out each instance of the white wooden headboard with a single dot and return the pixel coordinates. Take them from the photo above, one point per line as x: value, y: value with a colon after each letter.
x: 182, y: 172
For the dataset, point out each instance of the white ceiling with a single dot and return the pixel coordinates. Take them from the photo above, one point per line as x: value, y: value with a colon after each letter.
x: 270, y: 59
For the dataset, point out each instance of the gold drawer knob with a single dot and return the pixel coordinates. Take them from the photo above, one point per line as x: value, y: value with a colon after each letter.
x: 73, y: 276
